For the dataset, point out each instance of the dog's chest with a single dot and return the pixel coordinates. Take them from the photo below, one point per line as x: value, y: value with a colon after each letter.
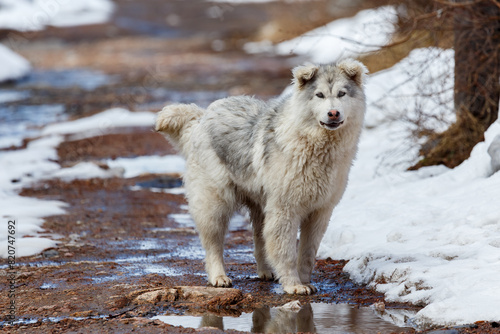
x: 313, y: 179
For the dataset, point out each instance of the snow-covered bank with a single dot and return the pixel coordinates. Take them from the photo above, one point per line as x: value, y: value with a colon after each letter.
x: 27, y: 15
x: 13, y: 65
x: 429, y: 237
x: 348, y: 37
x: 22, y: 167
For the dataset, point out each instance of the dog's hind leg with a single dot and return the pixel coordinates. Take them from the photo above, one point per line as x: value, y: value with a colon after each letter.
x: 263, y: 269
x: 211, y: 214
x: 312, y: 230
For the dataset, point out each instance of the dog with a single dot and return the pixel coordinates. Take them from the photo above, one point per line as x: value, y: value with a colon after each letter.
x: 287, y: 160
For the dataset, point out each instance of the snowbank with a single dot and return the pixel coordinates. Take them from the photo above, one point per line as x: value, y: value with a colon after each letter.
x: 365, y: 32
x: 13, y: 65
x: 28, y: 15
x: 31, y: 15
x: 21, y: 167
x: 36, y: 162
x: 102, y: 122
x: 149, y: 165
x: 429, y: 237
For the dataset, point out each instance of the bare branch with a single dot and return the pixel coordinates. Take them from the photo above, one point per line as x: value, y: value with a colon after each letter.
x: 458, y: 4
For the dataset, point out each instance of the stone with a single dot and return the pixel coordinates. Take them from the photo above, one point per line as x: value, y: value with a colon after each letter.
x: 156, y: 296
x: 494, y: 152
x: 207, y: 296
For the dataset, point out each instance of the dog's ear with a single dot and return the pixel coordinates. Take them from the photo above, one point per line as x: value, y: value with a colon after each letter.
x: 303, y: 74
x: 353, y: 69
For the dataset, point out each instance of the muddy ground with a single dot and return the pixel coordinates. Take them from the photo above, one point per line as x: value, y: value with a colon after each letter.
x: 121, y: 258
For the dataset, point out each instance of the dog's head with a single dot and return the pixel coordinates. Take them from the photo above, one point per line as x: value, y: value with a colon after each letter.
x: 333, y: 93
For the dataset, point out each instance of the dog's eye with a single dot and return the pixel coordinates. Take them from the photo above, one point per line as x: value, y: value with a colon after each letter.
x: 341, y: 93
x: 320, y: 95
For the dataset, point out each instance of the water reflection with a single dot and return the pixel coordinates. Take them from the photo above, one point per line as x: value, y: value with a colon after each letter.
x: 315, y: 318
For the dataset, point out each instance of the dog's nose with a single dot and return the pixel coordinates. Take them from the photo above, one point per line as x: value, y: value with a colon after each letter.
x: 334, y: 115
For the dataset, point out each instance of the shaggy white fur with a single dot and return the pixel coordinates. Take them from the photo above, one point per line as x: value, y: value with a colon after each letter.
x: 287, y: 160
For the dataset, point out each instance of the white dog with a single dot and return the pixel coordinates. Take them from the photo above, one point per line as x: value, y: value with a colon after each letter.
x: 287, y: 160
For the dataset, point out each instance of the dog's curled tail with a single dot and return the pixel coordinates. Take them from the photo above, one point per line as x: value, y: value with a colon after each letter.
x: 176, y: 122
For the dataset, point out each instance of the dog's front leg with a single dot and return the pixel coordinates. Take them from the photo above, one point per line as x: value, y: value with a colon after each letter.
x: 280, y: 234
x: 312, y: 230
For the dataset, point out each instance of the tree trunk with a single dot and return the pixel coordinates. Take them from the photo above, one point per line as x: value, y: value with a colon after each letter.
x: 477, y: 88
x: 477, y: 62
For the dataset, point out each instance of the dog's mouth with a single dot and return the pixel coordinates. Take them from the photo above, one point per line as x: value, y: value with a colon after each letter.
x: 331, y: 125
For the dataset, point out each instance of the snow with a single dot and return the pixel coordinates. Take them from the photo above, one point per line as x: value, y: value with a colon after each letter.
x: 102, y: 123
x: 32, y: 15
x: 429, y: 237
x: 149, y: 165
x: 13, y: 65
x: 348, y: 37
x: 84, y: 170
x: 23, y: 167
x: 28, y: 15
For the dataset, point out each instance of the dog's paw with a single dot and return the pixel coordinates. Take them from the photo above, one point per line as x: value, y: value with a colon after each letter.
x: 266, y: 275
x: 221, y: 281
x: 300, y: 289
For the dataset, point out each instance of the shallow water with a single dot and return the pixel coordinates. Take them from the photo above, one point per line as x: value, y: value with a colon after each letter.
x: 80, y: 77
x: 20, y: 121
x: 315, y: 318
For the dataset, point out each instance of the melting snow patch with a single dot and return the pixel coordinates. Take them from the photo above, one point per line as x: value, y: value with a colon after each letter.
x: 368, y: 31
x: 13, y: 65
x: 28, y: 15
x: 36, y: 162
x: 149, y: 165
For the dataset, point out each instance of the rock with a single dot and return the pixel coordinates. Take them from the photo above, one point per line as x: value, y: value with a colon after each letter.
x: 205, y: 296
x: 50, y: 253
x: 494, y: 152
x: 213, y: 297
x: 83, y: 314
x: 155, y: 296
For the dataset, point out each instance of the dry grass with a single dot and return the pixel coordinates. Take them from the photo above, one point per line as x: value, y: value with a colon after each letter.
x: 453, y: 146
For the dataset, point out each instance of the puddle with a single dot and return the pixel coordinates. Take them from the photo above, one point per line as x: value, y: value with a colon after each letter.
x: 161, y: 182
x: 82, y: 78
x: 29, y: 321
x: 21, y: 121
x: 48, y: 286
x: 315, y: 318
x: 7, y: 95
x: 147, y: 27
x: 140, y: 270
x: 236, y: 223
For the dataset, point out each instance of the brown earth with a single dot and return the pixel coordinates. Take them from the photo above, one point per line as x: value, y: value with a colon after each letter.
x: 121, y: 258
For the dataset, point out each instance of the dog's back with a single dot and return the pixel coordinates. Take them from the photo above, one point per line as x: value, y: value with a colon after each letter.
x: 232, y: 125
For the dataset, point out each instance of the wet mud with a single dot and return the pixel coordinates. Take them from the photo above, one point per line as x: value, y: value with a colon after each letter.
x: 127, y: 252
